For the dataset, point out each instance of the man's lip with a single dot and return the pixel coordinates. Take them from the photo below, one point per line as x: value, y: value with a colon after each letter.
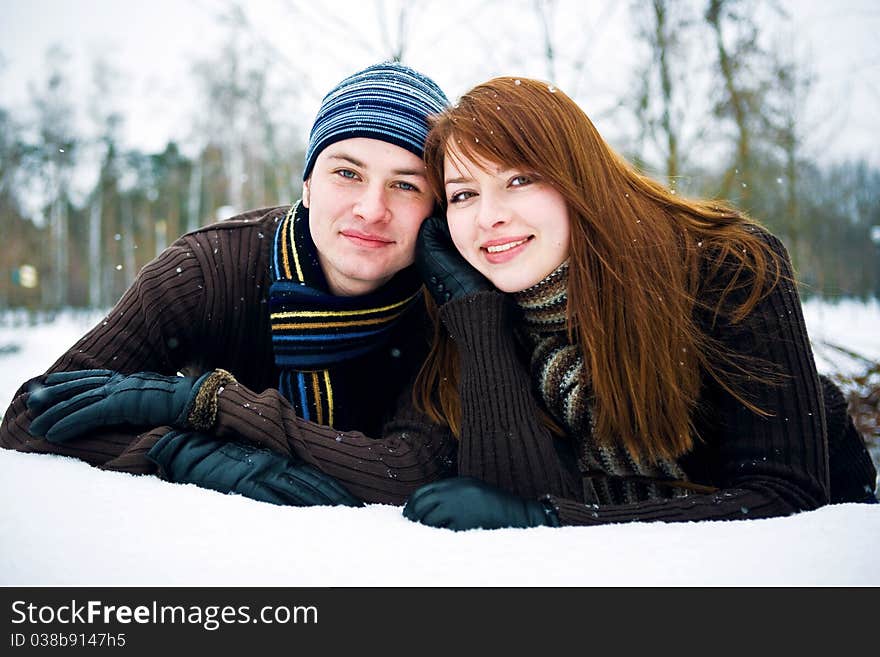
x: 368, y: 237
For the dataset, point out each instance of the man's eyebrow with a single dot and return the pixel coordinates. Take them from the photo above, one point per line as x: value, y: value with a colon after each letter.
x: 359, y: 163
x: 409, y: 172
x: 347, y: 158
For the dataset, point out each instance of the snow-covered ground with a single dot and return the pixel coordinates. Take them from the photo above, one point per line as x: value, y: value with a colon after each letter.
x: 852, y: 325
x: 64, y: 523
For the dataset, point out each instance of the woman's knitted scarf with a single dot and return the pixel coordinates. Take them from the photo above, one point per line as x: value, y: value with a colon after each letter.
x: 315, y: 332
x: 562, y: 381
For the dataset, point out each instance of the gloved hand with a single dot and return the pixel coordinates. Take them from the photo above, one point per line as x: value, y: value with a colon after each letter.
x: 74, y: 403
x: 256, y: 473
x: 467, y: 503
x: 446, y: 274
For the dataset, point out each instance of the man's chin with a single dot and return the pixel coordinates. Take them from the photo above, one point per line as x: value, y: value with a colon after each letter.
x: 363, y: 280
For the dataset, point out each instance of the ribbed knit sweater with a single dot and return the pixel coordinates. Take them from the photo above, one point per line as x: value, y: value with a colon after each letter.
x: 202, y: 305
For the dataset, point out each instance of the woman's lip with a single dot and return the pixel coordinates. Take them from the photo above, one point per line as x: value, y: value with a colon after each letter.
x: 504, y: 240
x: 501, y: 257
x: 366, y: 239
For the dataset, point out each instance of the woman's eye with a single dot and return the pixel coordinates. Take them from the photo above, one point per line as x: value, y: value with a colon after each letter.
x: 458, y: 197
x: 519, y: 181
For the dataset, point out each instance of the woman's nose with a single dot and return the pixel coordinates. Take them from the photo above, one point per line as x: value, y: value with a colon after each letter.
x: 492, y: 213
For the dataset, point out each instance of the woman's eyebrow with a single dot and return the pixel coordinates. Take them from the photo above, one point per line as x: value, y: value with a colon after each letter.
x: 456, y: 181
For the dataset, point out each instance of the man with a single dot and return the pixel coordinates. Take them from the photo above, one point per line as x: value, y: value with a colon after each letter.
x: 296, y: 325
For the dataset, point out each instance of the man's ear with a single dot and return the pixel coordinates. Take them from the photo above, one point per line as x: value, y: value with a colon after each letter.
x: 305, y: 199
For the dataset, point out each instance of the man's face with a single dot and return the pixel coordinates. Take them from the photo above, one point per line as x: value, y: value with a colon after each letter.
x: 366, y: 201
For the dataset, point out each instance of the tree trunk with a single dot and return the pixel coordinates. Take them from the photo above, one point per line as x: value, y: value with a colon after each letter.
x: 128, y: 263
x: 194, y: 196
x: 740, y: 114
x: 95, y: 300
x: 662, y: 44
x: 60, y: 261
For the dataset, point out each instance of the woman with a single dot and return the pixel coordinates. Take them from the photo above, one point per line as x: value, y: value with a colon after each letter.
x: 606, y: 351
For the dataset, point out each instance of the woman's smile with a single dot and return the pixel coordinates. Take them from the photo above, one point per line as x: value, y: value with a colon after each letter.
x: 500, y: 251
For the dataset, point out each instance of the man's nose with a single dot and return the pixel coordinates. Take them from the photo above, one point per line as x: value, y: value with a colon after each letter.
x: 372, y: 205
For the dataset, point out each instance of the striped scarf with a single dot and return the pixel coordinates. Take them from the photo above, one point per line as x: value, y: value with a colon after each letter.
x: 559, y: 372
x: 313, y: 331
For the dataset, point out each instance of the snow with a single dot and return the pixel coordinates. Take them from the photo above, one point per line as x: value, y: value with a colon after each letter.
x: 65, y: 523
x: 26, y: 351
x: 850, y: 324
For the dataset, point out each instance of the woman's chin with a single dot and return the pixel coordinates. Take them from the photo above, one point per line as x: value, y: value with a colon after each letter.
x: 510, y: 285
x: 512, y: 278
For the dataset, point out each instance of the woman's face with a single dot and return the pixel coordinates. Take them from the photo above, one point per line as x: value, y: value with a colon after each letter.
x: 509, y: 226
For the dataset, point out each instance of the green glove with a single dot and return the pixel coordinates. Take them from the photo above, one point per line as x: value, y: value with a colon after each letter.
x: 74, y: 403
x: 445, y: 272
x: 256, y: 473
x: 467, y: 503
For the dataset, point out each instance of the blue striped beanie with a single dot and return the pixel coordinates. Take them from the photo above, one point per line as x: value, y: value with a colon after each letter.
x: 389, y: 101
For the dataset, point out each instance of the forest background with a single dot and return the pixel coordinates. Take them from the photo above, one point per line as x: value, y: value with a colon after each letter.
x: 123, y: 125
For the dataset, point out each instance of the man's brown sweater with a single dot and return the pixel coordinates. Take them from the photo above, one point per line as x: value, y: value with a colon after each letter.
x: 202, y: 304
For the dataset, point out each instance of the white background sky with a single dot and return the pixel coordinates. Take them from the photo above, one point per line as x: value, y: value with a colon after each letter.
x: 155, y: 43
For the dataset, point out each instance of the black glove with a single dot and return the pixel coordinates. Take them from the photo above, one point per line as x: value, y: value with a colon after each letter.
x: 446, y: 274
x: 74, y: 403
x: 467, y: 503
x: 256, y: 473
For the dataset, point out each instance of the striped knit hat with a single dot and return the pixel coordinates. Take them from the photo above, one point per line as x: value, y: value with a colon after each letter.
x: 389, y: 101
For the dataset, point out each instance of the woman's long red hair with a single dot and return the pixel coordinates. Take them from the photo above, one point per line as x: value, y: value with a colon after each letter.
x: 640, y: 258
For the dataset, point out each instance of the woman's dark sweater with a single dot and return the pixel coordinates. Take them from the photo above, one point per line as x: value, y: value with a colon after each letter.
x: 749, y: 466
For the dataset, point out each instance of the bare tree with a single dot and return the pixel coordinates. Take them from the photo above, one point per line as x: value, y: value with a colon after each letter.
x: 395, y: 21
x: 397, y: 18
x: 745, y: 74
x: 55, y: 158
x: 16, y: 248
x: 567, y: 36
x: 665, y: 85
x: 654, y: 31
x: 194, y: 195
x: 787, y: 125
x: 662, y: 38
x: 107, y: 121
x: 245, y: 113
x: 545, y: 11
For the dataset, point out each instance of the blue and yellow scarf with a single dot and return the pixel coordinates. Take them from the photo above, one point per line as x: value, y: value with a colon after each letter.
x: 313, y: 331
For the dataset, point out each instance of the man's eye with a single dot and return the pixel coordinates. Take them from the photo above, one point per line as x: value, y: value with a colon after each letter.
x: 459, y: 197
x: 519, y: 181
x: 407, y: 187
x: 347, y: 173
